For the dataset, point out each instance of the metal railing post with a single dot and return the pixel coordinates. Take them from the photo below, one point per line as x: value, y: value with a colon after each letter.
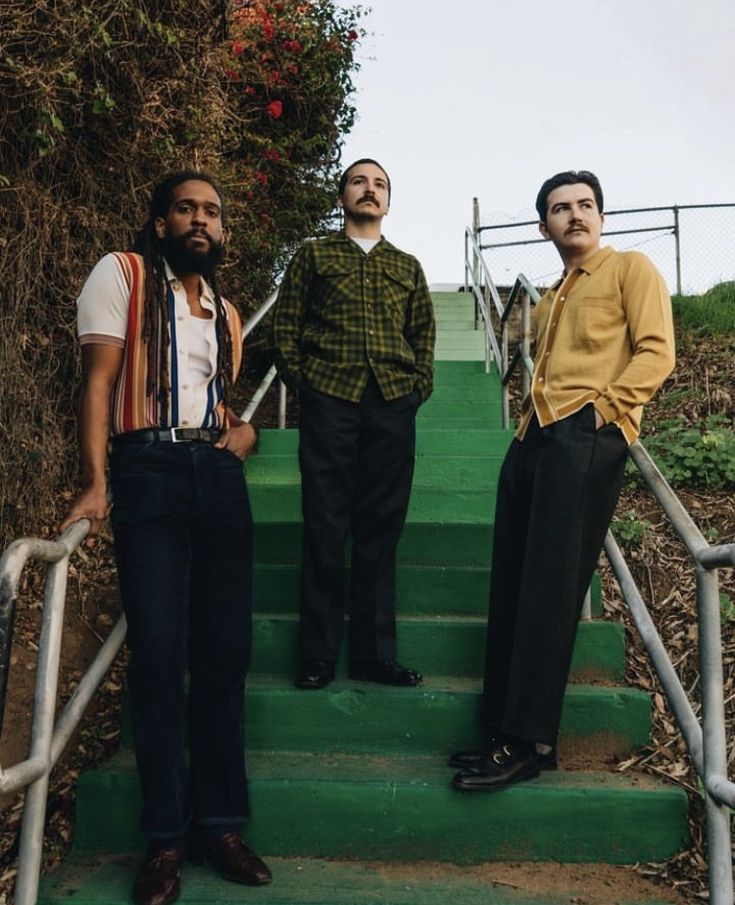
x: 44, y: 707
x: 281, y: 405
x: 713, y: 731
x: 677, y: 242
x: 475, y: 257
x: 525, y: 341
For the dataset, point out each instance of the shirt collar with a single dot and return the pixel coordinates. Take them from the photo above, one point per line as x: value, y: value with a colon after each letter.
x: 597, y: 260
x: 206, y: 296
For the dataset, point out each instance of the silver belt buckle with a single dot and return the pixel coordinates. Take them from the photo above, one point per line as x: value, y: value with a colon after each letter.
x: 174, y: 438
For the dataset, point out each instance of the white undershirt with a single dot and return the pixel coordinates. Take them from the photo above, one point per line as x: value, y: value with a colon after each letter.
x: 365, y: 244
x: 200, y: 366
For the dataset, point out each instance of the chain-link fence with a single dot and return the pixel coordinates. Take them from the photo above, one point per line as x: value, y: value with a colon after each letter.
x: 692, y: 245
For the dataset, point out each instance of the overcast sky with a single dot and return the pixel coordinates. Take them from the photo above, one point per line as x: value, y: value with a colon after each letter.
x: 489, y: 97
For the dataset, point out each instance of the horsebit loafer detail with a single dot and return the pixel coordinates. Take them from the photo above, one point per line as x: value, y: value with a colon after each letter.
x: 502, y: 767
x: 473, y: 760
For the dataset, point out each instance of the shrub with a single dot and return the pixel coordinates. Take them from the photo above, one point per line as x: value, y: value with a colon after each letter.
x: 99, y: 100
x: 710, y: 314
x: 702, y: 456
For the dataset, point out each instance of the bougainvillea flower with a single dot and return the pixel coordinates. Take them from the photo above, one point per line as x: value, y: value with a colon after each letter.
x: 262, y: 178
x: 237, y: 48
x: 275, y: 109
x: 233, y: 75
x: 352, y: 35
x: 249, y: 89
x: 271, y: 154
x: 293, y: 46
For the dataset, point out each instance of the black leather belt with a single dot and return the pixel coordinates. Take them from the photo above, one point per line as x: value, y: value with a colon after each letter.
x: 172, y: 435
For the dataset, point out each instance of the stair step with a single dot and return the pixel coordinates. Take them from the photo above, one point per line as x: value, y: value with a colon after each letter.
x: 427, y: 590
x: 441, y: 646
x: 325, y: 882
x: 339, y: 806
x: 455, y: 541
x: 440, y: 716
x: 429, y: 442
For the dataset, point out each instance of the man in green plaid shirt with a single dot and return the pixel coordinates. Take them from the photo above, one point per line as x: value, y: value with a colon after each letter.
x: 354, y: 332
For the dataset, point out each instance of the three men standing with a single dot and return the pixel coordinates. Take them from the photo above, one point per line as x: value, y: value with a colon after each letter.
x: 605, y: 343
x: 161, y: 350
x: 354, y: 332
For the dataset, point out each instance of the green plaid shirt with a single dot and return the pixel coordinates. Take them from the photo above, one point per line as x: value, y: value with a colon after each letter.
x: 342, y: 314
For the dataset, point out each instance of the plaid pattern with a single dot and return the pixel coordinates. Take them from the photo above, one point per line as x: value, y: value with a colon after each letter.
x: 342, y: 314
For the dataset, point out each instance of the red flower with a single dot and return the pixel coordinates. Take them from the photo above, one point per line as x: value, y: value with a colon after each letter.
x: 237, y: 48
x: 271, y: 154
x: 269, y: 32
x: 249, y: 89
x: 275, y: 109
x: 233, y: 75
x: 262, y: 178
x: 352, y: 35
x: 293, y: 46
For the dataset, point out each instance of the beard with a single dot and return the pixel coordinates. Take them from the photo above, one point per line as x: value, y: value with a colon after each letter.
x: 183, y: 260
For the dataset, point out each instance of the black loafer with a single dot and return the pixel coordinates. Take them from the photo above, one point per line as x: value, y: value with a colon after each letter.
x: 501, y: 768
x: 229, y: 855
x: 159, y: 878
x: 472, y: 760
x: 315, y: 674
x: 386, y: 672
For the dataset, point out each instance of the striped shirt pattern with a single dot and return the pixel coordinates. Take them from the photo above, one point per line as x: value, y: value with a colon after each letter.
x: 131, y: 407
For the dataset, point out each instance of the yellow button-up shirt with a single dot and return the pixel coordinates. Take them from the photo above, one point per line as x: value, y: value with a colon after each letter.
x: 605, y: 335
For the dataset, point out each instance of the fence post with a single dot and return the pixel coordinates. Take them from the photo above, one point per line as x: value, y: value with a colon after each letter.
x: 677, y: 241
x: 475, y: 259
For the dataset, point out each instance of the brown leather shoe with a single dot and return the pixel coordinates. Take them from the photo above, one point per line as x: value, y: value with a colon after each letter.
x: 159, y: 878
x: 229, y: 855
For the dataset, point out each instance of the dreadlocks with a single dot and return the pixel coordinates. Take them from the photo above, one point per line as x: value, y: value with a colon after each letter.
x: 155, y: 309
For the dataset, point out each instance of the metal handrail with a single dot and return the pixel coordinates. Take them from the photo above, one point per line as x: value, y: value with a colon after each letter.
x: 705, y: 741
x: 48, y: 740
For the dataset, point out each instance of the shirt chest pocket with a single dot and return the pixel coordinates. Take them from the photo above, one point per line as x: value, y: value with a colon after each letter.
x: 596, y: 320
x: 337, y: 285
x: 396, y: 289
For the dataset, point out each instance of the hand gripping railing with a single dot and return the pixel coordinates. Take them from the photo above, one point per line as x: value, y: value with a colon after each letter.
x: 48, y: 740
x: 706, y: 742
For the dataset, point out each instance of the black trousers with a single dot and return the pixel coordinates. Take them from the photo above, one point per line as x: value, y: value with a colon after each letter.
x: 357, y: 463
x: 183, y: 542
x: 556, y: 495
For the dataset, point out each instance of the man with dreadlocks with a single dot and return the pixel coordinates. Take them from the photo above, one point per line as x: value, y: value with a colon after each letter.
x: 160, y: 352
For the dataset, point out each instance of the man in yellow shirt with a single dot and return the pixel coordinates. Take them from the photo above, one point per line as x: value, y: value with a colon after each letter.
x: 605, y: 344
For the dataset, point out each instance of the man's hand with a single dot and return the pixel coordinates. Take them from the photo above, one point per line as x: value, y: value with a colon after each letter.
x: 599, y: 422
x: 240, y: 439
x: 89, y: 503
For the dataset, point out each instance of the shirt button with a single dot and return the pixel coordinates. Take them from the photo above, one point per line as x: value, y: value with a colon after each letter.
x: 541, y: 380
x: 185, y: 421
x: 185, y: 386
x: 547, y: 354
x: 563, y: 298
x: 180, y: 317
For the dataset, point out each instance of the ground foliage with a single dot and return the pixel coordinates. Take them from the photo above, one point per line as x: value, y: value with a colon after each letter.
x: 99, y: 101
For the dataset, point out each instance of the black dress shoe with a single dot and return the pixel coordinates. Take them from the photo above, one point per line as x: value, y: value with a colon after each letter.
x: 386, y: 672
x: 502, y: 767
x: 159, y: 878
x: 229, y: 855
x: 315, y: 674
x: 472, y: 760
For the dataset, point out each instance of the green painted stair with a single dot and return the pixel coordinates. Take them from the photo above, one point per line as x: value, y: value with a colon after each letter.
x: 350, y: 790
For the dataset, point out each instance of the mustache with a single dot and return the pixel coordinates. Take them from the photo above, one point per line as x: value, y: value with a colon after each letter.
x: 575, y: 227
x: 198, y: 231
x: 368, y: 196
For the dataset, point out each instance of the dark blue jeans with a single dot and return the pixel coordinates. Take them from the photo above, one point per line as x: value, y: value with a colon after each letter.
x: 183, y: 541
